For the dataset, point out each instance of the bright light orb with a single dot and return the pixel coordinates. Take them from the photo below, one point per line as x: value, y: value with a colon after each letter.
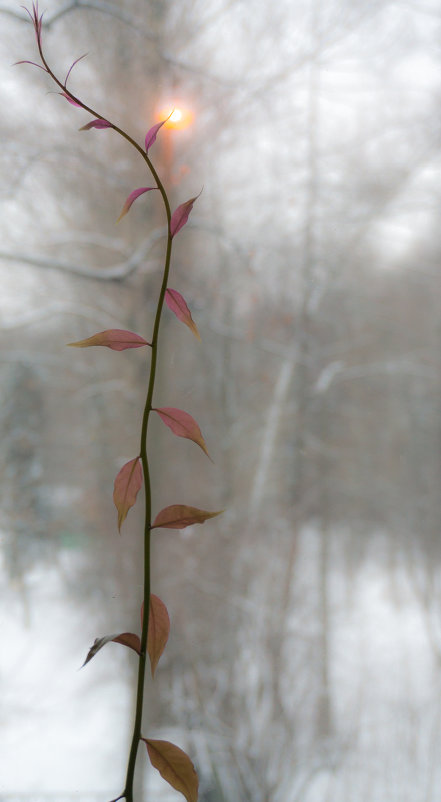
x: 179, y: 117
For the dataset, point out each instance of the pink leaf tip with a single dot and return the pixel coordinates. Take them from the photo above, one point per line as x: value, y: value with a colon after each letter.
x: 127, y: 484
x: 178, y: 516
x: 72, y: 66
x: 30, y: 62
x: 98, y: 123
x: 177, y: 304
x: 151, y: 134
x: 70, y: 100
x: 181, y: 215
x: 116, y: 339
x: 183, y: 425
x: 159, y: 629
x: 132, y: 198
x: 36, y: 20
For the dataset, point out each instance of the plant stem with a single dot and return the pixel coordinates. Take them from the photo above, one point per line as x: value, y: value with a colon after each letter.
x: 128, y: 789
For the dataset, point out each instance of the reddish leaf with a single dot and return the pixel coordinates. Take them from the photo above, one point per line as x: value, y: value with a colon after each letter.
x: 98, y: 123
x: 70, y: 100
x: 126, y: 639
x: 174, y: 766
x: 132, y: 197
x: 127, y: 485
x: 178, y: 306
x: 182, y: 424
x: 178, y: 516
x: 72, y: 66
x: 36, y: 20
x: 159, y: 629
x: 151, y: 134
x: 116, y: 339
x: 180, y: 215
x: 31, y: 62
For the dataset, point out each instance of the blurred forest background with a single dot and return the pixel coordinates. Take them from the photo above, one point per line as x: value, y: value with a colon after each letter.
x: 305, y: 651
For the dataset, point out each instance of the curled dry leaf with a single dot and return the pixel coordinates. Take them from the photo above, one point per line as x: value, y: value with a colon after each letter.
x: 127, y: 485
x: 178, y: 516
x: 159, y: 630
x: 174, y: 766
x: 126, y: 639
x: 183, y: 425
x: 98, y: 123
x: 181, y: 214
x: 116, y: 339
x: 178, y: 306
x: 132, y: 197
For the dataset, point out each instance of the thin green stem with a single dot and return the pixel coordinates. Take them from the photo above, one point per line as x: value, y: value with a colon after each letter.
x: 116, y: 128
x: 128, y: 789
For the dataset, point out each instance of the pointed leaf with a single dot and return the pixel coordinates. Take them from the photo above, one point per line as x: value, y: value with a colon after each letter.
x: 70, y: 100
x: 132, y: 197
x: 116, y: 339
x: 126, y: 639
x: 174, y: 766
x: 35, y: 19
x: 159, y: 629
x: 34, y: 64
x: 127, y: 485
x: 72, y: 66
x: 150, y: 137
x: 181, y: 214
x: 98, y: 123
x: 183, y: 425
x: 178, y: 516
x: 178, y: 306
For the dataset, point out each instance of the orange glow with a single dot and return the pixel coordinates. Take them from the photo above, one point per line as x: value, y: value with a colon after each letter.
x: 180, y: 118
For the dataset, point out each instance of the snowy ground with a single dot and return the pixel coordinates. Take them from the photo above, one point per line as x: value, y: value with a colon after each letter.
x: 61, y: 726
x: 64, y: 731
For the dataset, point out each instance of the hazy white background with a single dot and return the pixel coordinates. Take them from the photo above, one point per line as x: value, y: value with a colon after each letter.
x: 303, y: 663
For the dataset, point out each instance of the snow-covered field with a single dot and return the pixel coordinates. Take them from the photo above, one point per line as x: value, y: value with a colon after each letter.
x: 64, y: 731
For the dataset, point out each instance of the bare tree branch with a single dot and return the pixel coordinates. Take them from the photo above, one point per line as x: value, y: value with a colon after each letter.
x: 132, y: 22
x: 73, y: 5
x: 118, y: 272
x: 39, y: 314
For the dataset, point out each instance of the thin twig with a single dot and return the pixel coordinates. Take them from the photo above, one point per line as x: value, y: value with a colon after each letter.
x: 118, y: 272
